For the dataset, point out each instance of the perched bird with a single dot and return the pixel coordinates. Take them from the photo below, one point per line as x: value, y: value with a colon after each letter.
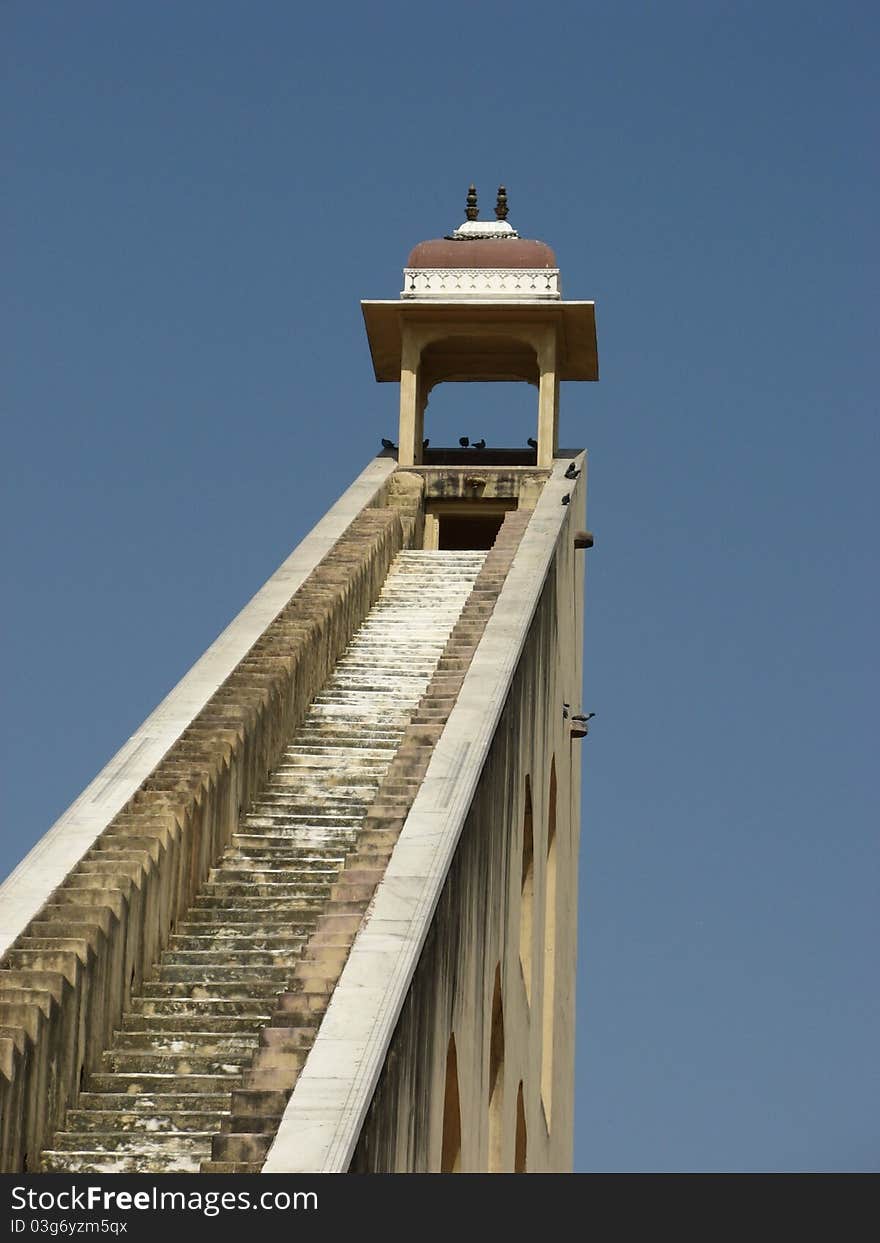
x: 464, y: 441
x: 532, y: 443
x: 579, y: 716
x: 388, y: 444
x: 571, y: 472
x: 565, y: 708
x: 478, y: 444
x: 566, y: 498
x: 425, y: 443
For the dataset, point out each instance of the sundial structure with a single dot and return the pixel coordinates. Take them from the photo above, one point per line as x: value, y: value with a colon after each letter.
x: 319, y: 912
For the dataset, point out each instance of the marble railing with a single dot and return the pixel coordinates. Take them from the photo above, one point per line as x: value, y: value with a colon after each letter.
x: 481, y: 283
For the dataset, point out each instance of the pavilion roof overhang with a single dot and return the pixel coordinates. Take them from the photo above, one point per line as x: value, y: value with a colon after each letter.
x: 575, y: 323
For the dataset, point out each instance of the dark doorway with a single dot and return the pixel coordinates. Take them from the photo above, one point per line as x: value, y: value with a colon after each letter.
x: 469, y: 531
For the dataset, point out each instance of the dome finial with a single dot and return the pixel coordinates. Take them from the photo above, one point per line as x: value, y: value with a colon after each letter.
x: 471, y: 211
x: 501, y: 203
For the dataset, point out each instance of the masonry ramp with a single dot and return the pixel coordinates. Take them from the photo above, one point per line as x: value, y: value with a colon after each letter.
x: 165, y: 1086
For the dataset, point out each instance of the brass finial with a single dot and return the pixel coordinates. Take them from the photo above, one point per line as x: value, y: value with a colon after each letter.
x: 501, y: 204
x: 471, y: 210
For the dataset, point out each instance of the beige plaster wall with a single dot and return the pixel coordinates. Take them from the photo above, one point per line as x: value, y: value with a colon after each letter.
x: 476, y: 931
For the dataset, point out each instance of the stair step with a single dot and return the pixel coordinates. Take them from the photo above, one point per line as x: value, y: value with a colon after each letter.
x: 117, y: 1163
x: 279, y: 890
x: 157, y: 1083
x: 262, y: 814
x: 273, y: 912
x: 231, y: 1167
x: 290, y: 796
x: 220, y: 990
x: 110, y: 1120
x: 300, y: 847
x: 291, y: 904
x: 223, y: 939
x: 149, y: 1104
x: 162, y: 1142
x: 216, y: 973
x: 355, y: 784
x: 137, y: 1061
x: 250, y: 1008
x: 261, y: 875
x: 218, y: 1024
x: 328, y: 840
x: 280, y: 855
x: 178, y: 1043
x: 220, y: 957
x: 315, y: 751
x: 364, y: 767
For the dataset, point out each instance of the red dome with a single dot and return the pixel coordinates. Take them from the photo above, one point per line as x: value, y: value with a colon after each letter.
x: 505, y: 252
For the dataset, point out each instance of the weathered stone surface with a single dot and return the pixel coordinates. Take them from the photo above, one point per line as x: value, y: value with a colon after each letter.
x: 479, y: 902
x: 141, y: 875
x: 199, y: 1026
x: 185, y: 965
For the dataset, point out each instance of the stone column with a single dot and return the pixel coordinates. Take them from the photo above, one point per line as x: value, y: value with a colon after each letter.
x: 548, y: 399
x: 421, y: 406
x: 410, y: 435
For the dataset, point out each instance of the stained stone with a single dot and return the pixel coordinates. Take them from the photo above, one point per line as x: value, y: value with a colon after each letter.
x: 189, y: 1039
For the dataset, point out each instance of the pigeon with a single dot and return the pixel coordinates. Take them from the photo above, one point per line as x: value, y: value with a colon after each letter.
x: 566, y: 498
x: 565, y: 708
x: 580, y: 717
x: 532, y: 443
x: 478, y: 444
x: 571, y: 472
x: 463, y: 441
x: 388, y: 444
x: 425, y: 443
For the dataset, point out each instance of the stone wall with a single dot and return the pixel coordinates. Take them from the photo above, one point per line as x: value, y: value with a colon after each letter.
x: 479, y: 1073
x: 258, y: 1108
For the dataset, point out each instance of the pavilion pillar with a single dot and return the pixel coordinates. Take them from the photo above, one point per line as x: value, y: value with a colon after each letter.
x: 548, y: 400
x: 412, y: 406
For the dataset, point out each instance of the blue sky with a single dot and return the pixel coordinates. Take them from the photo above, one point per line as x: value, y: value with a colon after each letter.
x: 198, y: 195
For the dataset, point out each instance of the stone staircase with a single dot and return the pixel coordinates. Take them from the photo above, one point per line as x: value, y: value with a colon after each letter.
x: 188, y: 1040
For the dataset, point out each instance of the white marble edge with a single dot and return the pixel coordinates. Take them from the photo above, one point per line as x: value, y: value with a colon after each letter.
x: 27, y: 889
x: 323, y: 1119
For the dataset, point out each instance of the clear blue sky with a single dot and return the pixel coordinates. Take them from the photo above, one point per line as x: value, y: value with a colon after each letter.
x: 196, y: 197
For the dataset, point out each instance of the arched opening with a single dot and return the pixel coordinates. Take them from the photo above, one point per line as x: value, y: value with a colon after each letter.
x: 450, y: 1151
x: 475, y: 350
x: 503, y: 413
x: 496, y: 1079
x: 549, y: 953
x: 527, y: 894
x: 520, y: 1155
x: 480, y: 355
